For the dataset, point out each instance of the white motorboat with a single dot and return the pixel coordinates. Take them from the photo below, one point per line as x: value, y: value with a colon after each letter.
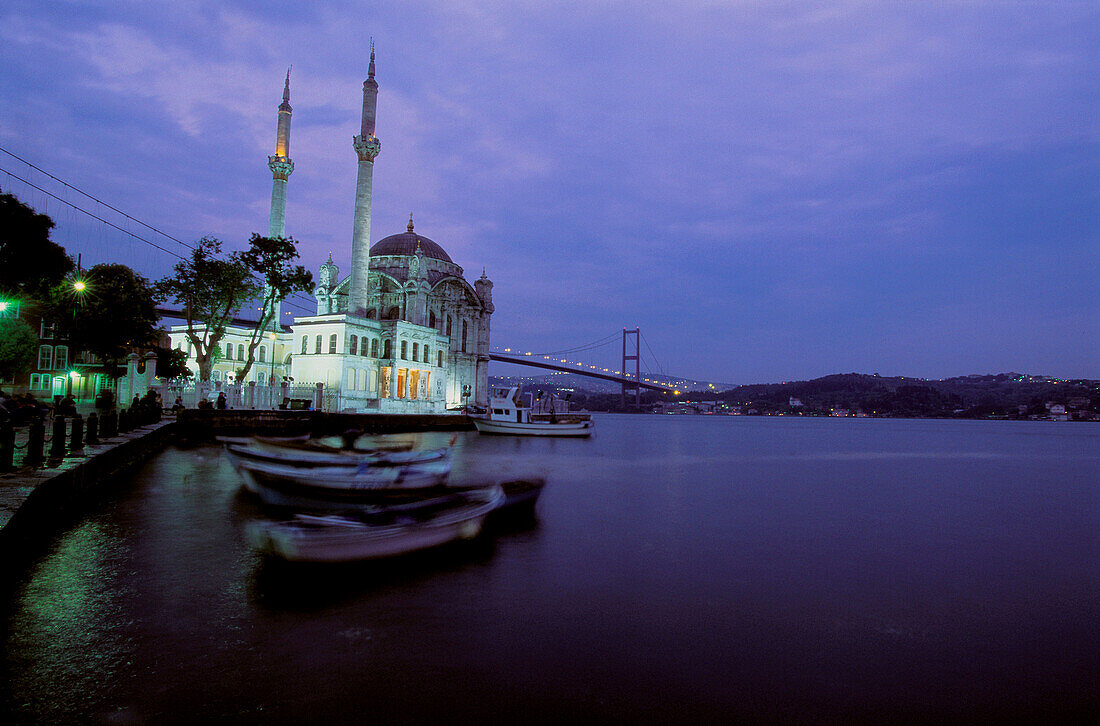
x: 370, y: 535
x: 507, y: 416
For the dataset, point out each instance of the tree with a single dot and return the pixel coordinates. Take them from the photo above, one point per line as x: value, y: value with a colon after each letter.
x: 210, y: 289
x: 30, y: 263
x: 18, y: 347
x: 112, y: 315
x: 172, y: 364
x: 271, y: 258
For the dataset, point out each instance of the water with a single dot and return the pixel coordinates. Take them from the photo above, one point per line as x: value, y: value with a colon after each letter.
x: 682, y: 569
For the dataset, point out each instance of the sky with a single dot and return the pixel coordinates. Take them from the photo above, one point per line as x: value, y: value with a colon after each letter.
x: 768, y: 190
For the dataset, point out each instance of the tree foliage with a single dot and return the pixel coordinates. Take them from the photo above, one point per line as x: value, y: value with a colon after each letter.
x: 114, y: 314
x: 209, y: 288
x: 271, y: 260
x: 172, y: 364
x: 18, y: 347
x: 30, y: 263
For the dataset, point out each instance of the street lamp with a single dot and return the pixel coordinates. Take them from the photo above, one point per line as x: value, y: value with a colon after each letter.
x: 79, y: 286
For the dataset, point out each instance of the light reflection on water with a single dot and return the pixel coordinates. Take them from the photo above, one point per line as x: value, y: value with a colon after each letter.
x: 681, y: 568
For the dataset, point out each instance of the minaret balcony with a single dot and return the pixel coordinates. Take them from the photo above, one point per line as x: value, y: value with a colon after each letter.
x: 281, y: 166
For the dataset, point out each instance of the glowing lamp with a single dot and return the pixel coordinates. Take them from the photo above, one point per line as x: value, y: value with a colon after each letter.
x: 74, y: 374
x: 79, y: 286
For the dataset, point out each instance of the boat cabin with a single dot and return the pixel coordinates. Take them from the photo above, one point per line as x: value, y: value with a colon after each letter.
x: 504, y: 405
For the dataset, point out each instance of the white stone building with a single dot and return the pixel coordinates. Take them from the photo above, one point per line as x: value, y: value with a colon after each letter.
x: 403, y: 333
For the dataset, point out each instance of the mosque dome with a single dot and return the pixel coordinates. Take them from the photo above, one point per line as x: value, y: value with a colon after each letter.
x: 406, y: 244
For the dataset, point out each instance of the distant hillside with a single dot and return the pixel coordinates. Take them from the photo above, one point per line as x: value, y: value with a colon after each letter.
x: 1005, y: 395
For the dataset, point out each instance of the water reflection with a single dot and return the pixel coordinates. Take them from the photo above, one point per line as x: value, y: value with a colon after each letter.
x: 681, y: 568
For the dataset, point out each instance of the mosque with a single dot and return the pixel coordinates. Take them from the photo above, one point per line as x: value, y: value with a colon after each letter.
x: 404, y: 332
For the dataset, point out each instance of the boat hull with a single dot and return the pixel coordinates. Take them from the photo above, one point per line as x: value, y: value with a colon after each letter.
x: 516, y: 428
x: 338, y: 539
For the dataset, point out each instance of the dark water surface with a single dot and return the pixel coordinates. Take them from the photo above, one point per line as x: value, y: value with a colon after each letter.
x: 687, y: 568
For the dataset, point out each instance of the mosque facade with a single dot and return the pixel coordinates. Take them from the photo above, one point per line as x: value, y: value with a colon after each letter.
x: 403, y: 332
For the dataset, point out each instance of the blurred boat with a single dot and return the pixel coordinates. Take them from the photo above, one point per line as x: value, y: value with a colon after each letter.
x: 379, y: 532
x: 319, y: 486
x: 507, y: 416
x: 314, y: 457
x: 521, y: 495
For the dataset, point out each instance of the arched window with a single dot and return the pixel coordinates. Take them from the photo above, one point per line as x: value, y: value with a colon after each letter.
x: 439, y: 356
x: 427, y: 355
x: 332, y: 343
x: 353, y: 345
x: 229, y: 351
x: 416, y: 351
x: 61, y: 357
x: 463, y: 336
x: 263, y: 354
x: 404, y: 350
x: 374, y: 347
x: 261, y: 378
x: 431, y: 318
x: 387, y: 349
x: 317, y: 345
x: 448, y: 326
x: 305, y: 344
x: 240, y: 352
x: 372, y: 313
x: 45, y: 357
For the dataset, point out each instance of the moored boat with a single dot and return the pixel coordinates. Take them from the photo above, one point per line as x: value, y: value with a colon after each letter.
x: 326, y: 487
x: 386, y: 532
x: 507, y: 416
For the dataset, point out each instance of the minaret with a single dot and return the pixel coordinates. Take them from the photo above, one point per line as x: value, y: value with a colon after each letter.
x: 281, y: 168
x: 366, y: 148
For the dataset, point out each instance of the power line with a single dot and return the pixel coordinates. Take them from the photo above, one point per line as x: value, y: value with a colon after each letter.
x: 92, y: 215
x: 93, y: 198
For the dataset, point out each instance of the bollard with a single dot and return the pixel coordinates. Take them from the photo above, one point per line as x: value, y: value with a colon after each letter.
x: 76, y: 440
x: 36, y: 442
x: 110, y: 424
x: 57, y: 444
x: 7, y: 446
x: 92, y: 434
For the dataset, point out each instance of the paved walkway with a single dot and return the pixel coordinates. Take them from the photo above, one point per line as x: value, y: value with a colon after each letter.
x: 16, y: 486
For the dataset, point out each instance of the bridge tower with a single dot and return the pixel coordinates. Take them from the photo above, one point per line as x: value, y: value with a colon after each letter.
x: 636, y: 357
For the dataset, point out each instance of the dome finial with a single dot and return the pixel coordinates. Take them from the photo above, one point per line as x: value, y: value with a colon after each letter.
x: 410, y: 224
